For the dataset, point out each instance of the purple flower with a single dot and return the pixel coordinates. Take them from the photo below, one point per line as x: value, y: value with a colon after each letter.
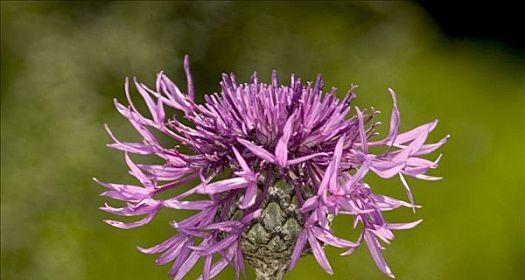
x: 258, y: 136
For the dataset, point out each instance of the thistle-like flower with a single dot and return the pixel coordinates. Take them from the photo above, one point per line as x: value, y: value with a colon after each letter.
x: 290, y: 158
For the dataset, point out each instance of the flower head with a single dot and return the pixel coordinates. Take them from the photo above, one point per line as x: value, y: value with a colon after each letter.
x: 293, y: 156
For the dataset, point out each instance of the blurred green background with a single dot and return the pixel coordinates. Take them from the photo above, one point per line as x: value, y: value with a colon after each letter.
x: 62, y: 64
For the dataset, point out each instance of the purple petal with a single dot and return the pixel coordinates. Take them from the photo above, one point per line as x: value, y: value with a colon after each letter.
x: 281, y: 149
x: 219, y: 266
x: 137, y: 173
x: 413, y: 147
x: 319, y: 254
x: 187, y: 205
x: 362, y: 135
x: 383, y: 233
x: 191, y: 93
x: 328, y: 238
x: 207, y: 267
x: 247, y: 218
x: 144, y: 207
x: 241, y: 161
x: 403, y: 225
x: 249, y: 196
x: 336, y: 162
x: 136, y: 148
x: 219, y: 246
x: 173, y: 252
x: 359, y: 175
x: 125, y: 192
x: 414, y: 133
x: 310, y: 204
x: 429, y: 148
x: 156, y: 112
x: 428, y: 178
x: 162, y: 246
x: 223, y: 226
x: 352, y: 249
x: 239, y: 259
x: 193, y: 233
x: 408, y: 191
x: 179, y: 100
x: 205, y: 214
x: 134, y: 113
x: 181, y: 258
x: 350, y: 207
x: 304, y: 158
x: 187, y: 265
x: 224, y: 185
x: 327, y: 177
x: 375, y: 252
x: 386, y: 169
x: 394, y: 119
x: 257, y: 150
x: 164, y: 172
x: 122, y: 225
x: 298, y: 249
x: 386, y: 203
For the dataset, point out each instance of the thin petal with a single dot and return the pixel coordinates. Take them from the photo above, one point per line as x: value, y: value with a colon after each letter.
x: 223, y: 226
x: 408, y: 191
x: 403, y: 225
x: 137, y: 173
x: 219, y: 266
x: 219, y: 246
x: 162, y: 246
x: 187, y: 265
x: 310, y: 204
x: 362, y: 135
x: 304, y: 158
x: 336, y: 162
x: 241, y: 161
x: 319, y: 254
x: 122, y: 225
x: 429, y: 148
x: 136, y: 148
x: 394, y: 119
x: 373, y: 247
x: 281, y: 150
x: 181, y: 257
x: 207, y: 267
x: 144, y: 207
x: 249, y: 196
x: 258, y: 151
x: 187, y: 205
x: 224, y: 185
x: 387, y: 203
x: 173, y: 252
x: 330, y: 239
x: 359, y: 175
x: 247, y: 218
x: 327, y: 177
x: 414, y: 133
x: 125, y: 192
x: 165, y: 172
x: 155, y: 113
x: 298, y: 249
x: 191, y: 93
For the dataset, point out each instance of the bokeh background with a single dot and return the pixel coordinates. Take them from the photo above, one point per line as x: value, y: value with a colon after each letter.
x: 63, y: 63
